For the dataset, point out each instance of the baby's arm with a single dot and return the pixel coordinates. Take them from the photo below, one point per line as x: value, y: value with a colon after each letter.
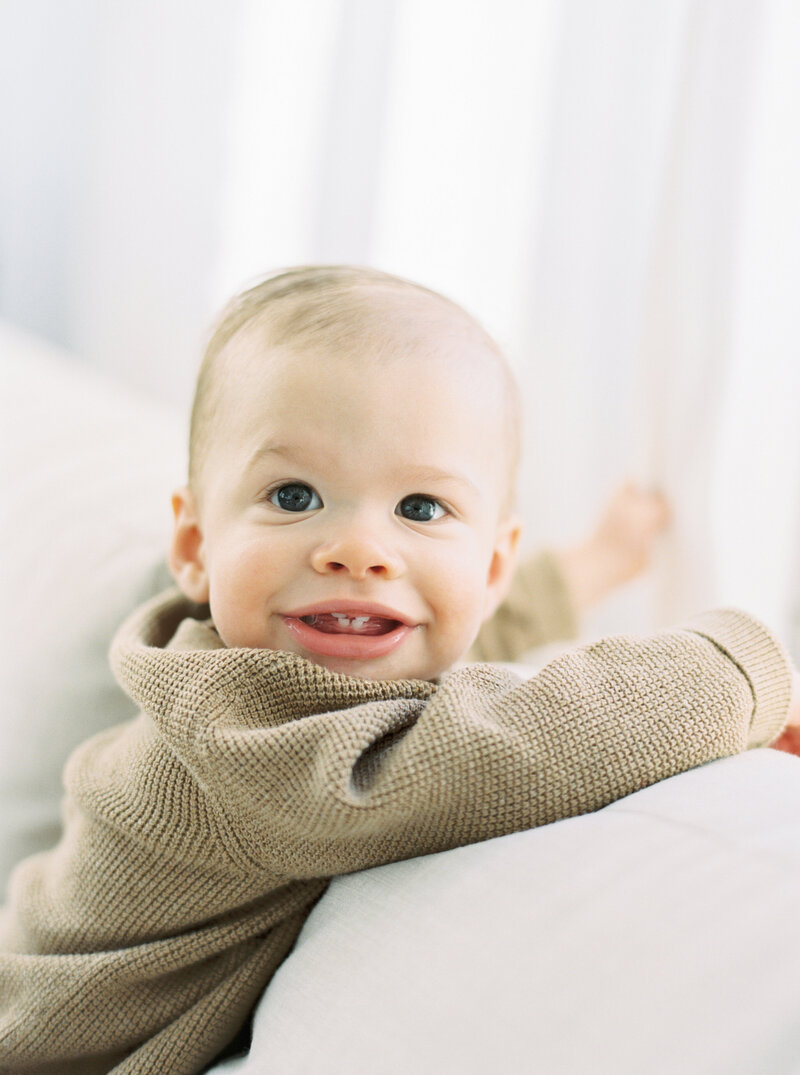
x: 619, y: 548
x: 487, y: 756
x: 550, y: 591
x: 315, y: 774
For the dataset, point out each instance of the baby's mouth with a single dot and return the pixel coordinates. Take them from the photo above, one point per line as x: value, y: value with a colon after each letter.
x: 336, y: 623
x: 357, y: 634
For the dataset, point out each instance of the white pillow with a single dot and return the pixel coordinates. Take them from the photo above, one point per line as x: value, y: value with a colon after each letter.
x: 87, y: 472
x: 660, y: 935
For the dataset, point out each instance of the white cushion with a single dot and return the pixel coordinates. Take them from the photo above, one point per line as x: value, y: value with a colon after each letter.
x: 659, y: 935
x: 87, y: 472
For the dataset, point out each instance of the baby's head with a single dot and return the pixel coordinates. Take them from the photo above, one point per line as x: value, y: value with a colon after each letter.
x: 353, y: 451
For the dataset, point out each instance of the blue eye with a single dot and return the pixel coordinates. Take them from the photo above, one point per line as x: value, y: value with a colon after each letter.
x: 294, y: 496
x: 420, y: 509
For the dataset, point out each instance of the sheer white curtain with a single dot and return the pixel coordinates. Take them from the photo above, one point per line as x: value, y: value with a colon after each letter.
x: 756, y: 496
x: 609, y: 187
x: 113, y: 124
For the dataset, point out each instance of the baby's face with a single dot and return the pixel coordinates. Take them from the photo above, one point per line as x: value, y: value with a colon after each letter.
x: 351, y: 511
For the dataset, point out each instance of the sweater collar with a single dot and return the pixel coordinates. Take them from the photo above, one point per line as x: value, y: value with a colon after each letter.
x: 168, y: 657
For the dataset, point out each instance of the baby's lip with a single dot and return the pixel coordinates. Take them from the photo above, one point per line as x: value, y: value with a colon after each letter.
x: 350, y: 607
x: 380, y: 631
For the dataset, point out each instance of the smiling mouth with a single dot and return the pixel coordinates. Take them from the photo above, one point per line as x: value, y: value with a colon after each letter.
x: 336, y: 623
x: 353, y: 635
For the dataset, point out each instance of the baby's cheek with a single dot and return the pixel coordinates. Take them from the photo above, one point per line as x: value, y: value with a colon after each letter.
x: 243, y: 579
x: 460, y: 602
x: 233, y: 612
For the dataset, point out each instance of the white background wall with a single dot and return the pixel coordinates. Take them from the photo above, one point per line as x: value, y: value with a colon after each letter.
x: 610, y: 187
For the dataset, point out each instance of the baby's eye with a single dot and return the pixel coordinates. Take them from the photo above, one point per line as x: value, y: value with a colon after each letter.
x: 420, y: 509
x: 294, y: 496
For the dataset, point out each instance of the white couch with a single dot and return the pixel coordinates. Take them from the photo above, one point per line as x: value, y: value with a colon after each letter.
x: 660, y: 935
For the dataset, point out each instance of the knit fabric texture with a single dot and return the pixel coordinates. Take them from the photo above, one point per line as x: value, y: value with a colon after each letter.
x: 199, y: 835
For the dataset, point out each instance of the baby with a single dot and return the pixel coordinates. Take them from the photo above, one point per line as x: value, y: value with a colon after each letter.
x: 347, y: 532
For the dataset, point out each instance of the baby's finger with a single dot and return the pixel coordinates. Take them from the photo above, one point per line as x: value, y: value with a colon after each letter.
x: 789, y: 741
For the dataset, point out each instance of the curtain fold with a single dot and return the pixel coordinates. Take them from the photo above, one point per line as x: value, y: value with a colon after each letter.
x: 684, y: 352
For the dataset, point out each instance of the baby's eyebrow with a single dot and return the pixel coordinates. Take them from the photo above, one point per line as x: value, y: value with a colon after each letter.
x: 425, y: 474
x: 421, y: 475
x: 268, y: 449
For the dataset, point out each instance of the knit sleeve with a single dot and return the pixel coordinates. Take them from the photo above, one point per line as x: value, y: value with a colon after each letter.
x: 538, y: 610
x: 487, y: 754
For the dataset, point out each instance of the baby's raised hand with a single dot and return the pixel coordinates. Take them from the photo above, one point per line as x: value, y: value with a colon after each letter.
x: 627, y: 530
x: 619, y: 548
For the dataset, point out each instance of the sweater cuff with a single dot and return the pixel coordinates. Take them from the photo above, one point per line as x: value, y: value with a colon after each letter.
x: 761, y: 658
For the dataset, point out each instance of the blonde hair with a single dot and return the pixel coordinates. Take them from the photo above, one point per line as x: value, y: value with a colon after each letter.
x: 335, y: 307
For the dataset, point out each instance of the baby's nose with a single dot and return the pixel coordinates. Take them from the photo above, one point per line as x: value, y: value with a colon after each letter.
x: 358, y: 553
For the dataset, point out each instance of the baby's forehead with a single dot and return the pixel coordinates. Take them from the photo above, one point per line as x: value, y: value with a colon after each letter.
x: 370, y: 323
x: 376, y: 331
x: 424, y: 403
x: 431, y: 380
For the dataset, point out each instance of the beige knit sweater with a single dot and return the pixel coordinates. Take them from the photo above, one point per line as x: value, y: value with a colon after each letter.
x: 198, y: 835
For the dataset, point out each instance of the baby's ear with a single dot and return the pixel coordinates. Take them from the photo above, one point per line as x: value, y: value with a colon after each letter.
x: 186, y: 552
x: 503, y: 562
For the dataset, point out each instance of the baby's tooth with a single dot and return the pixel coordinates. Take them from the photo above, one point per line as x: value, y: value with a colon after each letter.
x: 341, y: 619
x: 359, y: 621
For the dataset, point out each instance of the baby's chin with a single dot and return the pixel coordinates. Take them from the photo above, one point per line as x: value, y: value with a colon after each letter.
x: 378, y: 669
